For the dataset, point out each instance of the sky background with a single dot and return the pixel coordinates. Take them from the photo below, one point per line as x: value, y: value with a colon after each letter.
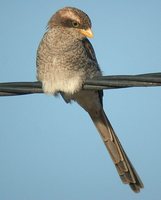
x: 51, y: 150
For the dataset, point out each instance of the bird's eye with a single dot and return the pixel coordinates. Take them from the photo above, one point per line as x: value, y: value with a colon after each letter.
x: 75, y: 24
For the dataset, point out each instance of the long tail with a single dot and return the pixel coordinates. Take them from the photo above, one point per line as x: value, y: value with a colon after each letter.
x: 123, y: 165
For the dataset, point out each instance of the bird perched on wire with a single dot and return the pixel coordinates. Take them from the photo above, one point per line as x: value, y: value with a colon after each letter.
x: 65, y: 59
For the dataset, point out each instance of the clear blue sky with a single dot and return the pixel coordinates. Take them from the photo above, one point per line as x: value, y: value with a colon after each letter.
x: 51, y: 150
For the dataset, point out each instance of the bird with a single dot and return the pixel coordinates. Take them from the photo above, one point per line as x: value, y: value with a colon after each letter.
x: 65, y: 60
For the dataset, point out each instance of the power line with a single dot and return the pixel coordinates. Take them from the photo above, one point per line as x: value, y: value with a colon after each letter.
x: 98, y: 83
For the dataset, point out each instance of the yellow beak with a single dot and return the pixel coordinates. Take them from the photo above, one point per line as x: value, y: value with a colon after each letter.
x: 87, y: 32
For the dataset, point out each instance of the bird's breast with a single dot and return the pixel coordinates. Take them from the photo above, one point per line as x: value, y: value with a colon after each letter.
x: 62, y: 65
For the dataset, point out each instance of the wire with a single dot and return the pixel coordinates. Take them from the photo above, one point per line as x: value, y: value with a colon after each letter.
x: 97, y: 83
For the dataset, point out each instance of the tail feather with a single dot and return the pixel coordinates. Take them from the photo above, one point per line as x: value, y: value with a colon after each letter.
x: 123, y: 165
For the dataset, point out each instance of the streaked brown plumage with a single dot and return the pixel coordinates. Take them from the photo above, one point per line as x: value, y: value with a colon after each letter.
x: 65, y: 59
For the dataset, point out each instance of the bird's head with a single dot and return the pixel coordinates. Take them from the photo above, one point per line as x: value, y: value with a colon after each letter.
x: 72, y: 18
